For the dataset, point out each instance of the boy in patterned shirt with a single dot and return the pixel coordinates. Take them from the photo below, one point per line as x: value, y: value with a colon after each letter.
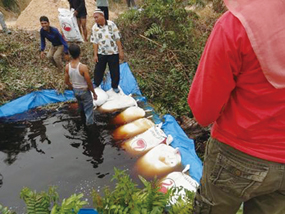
x: 107, y: 49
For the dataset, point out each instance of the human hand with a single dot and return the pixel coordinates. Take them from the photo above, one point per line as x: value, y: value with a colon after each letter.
x: 121, y: 55
x: 66, y: 57
x: 75, y: 13
x: 94, y: 96
x: 96, y: 59
x: 42, y: 54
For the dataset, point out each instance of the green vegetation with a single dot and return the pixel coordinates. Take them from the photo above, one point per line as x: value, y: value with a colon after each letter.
x: 128, y: 198
x: 47, y: 202
x: 125, y: 198
x: 163, y: 42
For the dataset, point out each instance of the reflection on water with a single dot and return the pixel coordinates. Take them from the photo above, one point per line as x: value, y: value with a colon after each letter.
x: 57, y: 149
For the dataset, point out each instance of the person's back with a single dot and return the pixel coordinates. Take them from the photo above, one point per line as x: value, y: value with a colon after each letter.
x: 77, y: 78
x: 239, y: 86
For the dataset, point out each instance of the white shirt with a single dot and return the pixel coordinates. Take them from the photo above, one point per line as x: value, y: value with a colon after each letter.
x: 106, y: 37
x: 76, y: 79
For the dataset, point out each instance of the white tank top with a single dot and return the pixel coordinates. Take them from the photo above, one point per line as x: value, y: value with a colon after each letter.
x: 77, y: 80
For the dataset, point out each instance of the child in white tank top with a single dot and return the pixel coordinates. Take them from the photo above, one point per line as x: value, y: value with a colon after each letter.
x: 77, y: 78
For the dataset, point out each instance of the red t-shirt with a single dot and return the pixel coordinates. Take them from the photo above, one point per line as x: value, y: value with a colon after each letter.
x: 230, y: 89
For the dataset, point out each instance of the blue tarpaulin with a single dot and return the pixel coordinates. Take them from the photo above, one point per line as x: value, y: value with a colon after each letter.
x: 129, y: 86
x: 34, y: 99
x: 40, y: 98
x: 185, y: 145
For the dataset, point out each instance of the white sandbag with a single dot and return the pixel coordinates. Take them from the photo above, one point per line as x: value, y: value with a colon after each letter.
x: 102, y: 97
x: 144, y: 142
x: 69, y: 26
x: 117, y: 101
x: 159, y: 161
x: 128, y: 115
x: 132, y: 129
x: 178, y: 179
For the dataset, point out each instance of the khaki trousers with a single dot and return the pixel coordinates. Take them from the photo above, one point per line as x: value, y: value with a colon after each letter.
x: 231, y: 177
x: 54, y: 56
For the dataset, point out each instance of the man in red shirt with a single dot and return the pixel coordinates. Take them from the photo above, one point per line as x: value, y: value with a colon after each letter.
x: 239, y: 86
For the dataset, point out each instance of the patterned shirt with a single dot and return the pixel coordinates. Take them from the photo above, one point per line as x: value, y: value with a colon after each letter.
x: 106, y: 37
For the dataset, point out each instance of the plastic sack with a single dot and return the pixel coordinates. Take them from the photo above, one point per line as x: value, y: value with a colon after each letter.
x: 69, y: 26
x: 178, y: 179
x: 117, y: 101
x: 128, y: 115
x: 144, y: 142
x: 132, y: 129
x: 159, y: 161
x: 102, y: 97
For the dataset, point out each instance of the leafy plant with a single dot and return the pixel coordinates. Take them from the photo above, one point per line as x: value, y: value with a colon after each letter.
x: 40, y: 203
x: 5, y: 210
x: 163, y: 42
x: 72, y: 204
x: 128, y: 198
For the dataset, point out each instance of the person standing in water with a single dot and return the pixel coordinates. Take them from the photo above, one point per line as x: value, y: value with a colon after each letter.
x: 77, y: 78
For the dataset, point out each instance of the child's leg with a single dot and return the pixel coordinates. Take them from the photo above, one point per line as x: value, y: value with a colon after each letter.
x: 88, y: 108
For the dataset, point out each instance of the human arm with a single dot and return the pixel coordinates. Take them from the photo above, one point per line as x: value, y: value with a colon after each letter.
x: 121, y: 52
x: 85, y: 73
x: 66, y: 78
x: 65, y: 46
x: 95, y: 52
x: 43, y: 44
x: 117, y: 37
x: 214, y: 81
x: 94, y: 41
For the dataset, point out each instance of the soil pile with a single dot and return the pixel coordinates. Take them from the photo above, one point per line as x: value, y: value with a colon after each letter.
x: 29, y: 18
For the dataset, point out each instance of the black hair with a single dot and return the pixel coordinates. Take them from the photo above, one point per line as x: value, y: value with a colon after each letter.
x: 74, y: 50
x: 44, y: 19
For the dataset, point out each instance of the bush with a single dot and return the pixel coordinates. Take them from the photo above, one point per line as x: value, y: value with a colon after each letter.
x: 128, y: 198
x: 163, y: 43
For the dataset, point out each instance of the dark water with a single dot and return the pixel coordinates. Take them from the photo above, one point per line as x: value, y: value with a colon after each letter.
x: 54, y: 148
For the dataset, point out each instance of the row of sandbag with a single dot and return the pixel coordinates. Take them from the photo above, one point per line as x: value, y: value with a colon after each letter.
x: 139, y: 136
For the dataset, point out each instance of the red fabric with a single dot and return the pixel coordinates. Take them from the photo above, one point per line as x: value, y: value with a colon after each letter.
x: 230, y: 89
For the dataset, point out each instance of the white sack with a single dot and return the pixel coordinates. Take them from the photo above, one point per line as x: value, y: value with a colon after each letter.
x: 69, y: 26
x: 145, y: 141
x: 159, y: 161
x: 102, y: 97
x: 128, y: 115
x: 117, y: 101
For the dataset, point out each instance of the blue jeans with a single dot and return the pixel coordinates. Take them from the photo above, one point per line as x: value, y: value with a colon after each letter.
x: 85, y: 104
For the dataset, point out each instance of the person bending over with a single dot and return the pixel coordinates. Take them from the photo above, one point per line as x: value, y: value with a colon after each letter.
x: 77, y: 78
x: 58, y: 46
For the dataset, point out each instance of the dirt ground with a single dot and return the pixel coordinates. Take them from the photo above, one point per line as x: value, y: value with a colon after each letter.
x: 29, y: 17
